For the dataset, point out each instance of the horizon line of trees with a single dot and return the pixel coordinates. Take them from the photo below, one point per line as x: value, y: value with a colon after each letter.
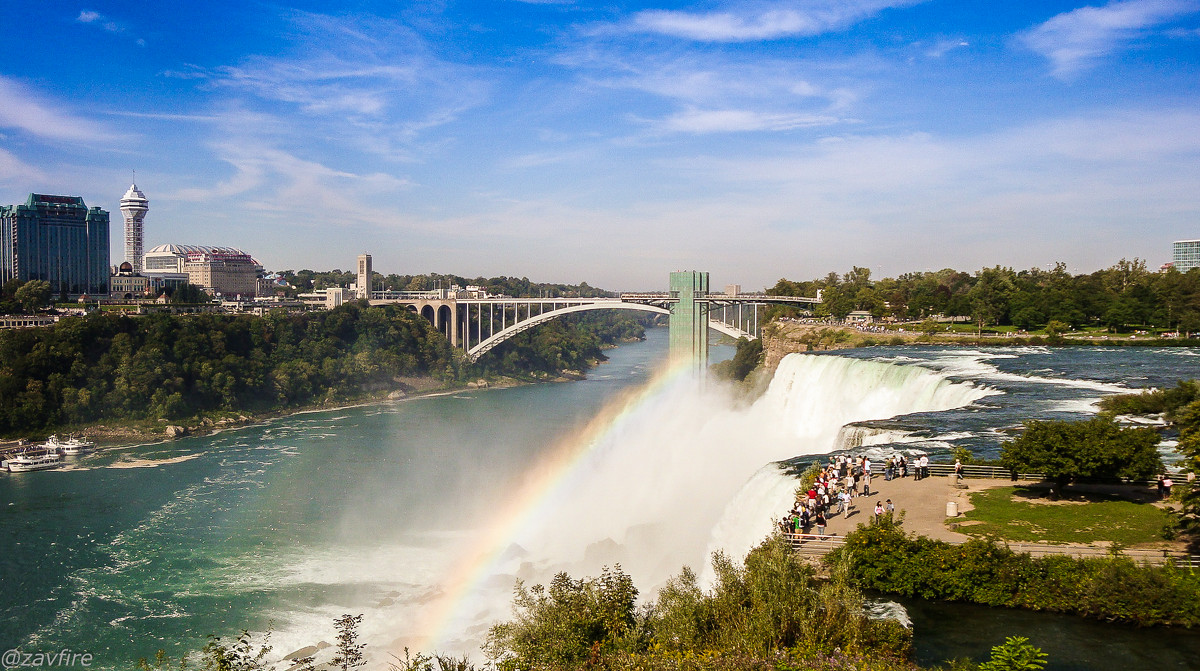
x: 306, y: 280
x: 1125, y: 295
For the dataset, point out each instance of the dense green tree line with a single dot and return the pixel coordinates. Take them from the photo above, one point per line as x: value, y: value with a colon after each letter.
x: 1120, y: 297
x: 112, y: 367
x: 106, y: 367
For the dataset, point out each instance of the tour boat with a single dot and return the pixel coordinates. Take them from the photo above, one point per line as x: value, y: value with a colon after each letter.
x: 74, y: 446
x: 34, y: 461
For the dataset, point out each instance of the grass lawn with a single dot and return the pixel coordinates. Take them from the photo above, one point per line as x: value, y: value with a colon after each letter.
x: 1003, y: 513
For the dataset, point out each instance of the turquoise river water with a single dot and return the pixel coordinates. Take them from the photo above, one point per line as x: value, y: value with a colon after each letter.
x: 421, y: 513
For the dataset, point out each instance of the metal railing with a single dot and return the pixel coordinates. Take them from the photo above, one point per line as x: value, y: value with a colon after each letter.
x: 820, y: 545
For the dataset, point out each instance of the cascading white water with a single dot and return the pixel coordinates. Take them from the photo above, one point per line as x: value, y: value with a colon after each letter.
x: 683, y: 472
x: 688, y: 472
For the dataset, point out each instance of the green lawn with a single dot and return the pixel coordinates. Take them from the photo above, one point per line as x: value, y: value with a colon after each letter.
x: 999, y: 513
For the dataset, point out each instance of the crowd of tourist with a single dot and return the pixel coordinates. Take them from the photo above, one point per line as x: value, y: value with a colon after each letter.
x: 836, y: 487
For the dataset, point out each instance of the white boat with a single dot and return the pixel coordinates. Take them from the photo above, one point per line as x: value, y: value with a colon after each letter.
x: 31, y: 460
x: 74, y: 446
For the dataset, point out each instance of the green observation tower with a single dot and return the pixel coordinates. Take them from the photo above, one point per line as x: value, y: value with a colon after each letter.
x: 689, y: 319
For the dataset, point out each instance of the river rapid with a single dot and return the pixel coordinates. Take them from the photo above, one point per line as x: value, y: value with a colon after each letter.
x: 421, y: 514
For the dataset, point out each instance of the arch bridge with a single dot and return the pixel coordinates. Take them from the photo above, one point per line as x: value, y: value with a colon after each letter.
x: 479, y: 324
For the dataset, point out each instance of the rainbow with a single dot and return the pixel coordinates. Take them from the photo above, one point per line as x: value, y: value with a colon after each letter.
x: 550, y: 479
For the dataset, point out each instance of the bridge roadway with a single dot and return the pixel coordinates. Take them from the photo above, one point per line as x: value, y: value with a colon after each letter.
x: 478, y: 324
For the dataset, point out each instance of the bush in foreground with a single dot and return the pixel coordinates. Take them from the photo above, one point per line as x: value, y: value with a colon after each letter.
x: 1115, y: 588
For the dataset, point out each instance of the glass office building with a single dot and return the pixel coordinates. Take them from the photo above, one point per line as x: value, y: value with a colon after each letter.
x: 1186, y: 255
x: 58, y: 239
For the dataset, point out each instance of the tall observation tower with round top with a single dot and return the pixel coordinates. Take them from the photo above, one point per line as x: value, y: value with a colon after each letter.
x: 134, y: 207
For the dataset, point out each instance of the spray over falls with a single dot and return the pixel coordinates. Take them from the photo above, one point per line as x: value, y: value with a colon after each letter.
x: 683, y: 471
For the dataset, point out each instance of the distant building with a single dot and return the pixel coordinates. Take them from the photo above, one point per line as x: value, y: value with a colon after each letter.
x: 217, y: 270
x: 1186, y: 255
x: 126, y: 284
x: 328, y: 298
x: 133, y: 208
x: 363, y: 286
x: 58, y: 239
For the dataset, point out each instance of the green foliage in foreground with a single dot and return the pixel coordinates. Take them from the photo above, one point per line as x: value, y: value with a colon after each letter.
x: 1096, y: 448
x: 1002, y: 514
x: 768, y: 614
x: 771, y: 603
x: 882, y: 557
x: 1015, y: 654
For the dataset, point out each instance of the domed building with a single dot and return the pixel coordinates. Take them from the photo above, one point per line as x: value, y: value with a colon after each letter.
x: 127, y: 284
x: 218, y: 270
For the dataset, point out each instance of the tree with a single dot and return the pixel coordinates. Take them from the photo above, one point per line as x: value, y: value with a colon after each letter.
x: 571, y: 623
x: 1096, y: 448
x: 33, y: 294
x: 990, y: 296
x: 747, y: 357
x: 189, y: 294
x: 1015, y: 654
x: 349, y: 653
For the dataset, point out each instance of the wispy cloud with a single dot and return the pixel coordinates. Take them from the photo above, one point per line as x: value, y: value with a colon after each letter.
x: 94, y: 18
x: 1075, y: 40
x: 100, y: 21
x: 943, y: 47
x: 23, y: 110
x: 377, y: 77
x: 715, y: 93
x: 269, y: 179
x: 749, y: 21
x: 15, y: 169
x: 698, y: 121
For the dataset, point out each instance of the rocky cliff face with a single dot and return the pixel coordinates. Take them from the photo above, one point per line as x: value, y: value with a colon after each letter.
x: 783, y: 338
x: 775, y: 347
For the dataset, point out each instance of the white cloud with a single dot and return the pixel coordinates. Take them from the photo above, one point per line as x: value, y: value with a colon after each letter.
x: 745, y: 22
x: 13, y: 168
x: 376, y: 79
x: 99, y: 20
x: 719, y: 92
x: 698, y: 121
x: 1074, y: 40
x: 23, y: 110
x: 943, y: 47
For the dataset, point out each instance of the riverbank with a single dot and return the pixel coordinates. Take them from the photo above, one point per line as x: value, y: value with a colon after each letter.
x: 120, y: 434
x: 781, y: 338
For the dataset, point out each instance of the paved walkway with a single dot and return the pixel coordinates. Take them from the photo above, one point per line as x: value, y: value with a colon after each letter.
x: 923, y: 503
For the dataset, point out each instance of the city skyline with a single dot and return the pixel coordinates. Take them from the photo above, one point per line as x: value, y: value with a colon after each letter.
x: 567, y: 142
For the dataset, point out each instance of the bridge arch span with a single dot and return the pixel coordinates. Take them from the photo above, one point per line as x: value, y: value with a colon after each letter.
x: 520, y: 327
x: 500, y: 336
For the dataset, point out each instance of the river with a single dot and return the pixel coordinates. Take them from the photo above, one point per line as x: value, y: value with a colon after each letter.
x: 420, y: 513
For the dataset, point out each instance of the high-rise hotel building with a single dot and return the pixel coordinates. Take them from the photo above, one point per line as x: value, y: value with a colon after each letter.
x: 58, y: 239
x: 1186, y: 255
x: 133, y: 208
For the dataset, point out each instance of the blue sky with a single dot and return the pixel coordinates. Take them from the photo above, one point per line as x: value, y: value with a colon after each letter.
x: 612, y: 143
